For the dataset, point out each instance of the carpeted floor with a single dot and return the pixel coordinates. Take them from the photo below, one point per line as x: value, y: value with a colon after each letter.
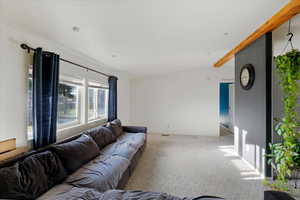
x: 195, y: 165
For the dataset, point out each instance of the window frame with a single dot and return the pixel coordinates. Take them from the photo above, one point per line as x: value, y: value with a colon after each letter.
x: 105, y: 116
x: 94, y: 85
x: 72, y: 81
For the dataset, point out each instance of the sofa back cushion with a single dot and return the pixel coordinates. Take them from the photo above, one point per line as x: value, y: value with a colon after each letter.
x: 116, y: 127
x: 103, y: 136
x: 76, y: 153
x: 31, y: 177
x: 117, y: 122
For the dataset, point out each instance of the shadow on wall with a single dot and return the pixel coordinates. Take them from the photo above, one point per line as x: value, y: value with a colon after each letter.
x: 252, y: 154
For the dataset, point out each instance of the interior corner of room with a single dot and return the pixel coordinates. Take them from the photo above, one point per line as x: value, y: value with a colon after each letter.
x: 201, y: 90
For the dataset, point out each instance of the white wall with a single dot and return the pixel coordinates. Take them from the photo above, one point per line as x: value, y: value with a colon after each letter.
x: 185, y: 102
x: 13, y: 82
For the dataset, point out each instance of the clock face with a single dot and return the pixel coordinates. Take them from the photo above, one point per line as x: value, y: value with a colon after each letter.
x: 247, y: 76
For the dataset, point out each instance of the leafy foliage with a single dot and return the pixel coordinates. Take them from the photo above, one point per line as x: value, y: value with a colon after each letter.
x: 285, y: 156
x: 279, y: 186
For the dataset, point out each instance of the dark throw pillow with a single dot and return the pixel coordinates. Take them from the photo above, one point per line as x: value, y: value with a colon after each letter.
x: 30, y: 178
x: 116, y: 127
x: 53, y: 167
x: 77, y: 152
x: 103, y: 136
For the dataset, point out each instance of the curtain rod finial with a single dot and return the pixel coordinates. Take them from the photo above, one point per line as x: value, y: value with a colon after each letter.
x: 25, y: 47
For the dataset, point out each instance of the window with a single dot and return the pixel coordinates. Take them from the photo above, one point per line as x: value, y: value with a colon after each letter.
x: 68, y: 107
x: 97, y: 103
x: 29, y: 105
x: 70, y: 111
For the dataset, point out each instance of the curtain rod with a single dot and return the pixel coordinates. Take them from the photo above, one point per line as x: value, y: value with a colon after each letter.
x: 28, y: 48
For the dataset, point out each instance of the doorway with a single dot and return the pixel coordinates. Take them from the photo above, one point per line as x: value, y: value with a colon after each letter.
x: 226, y: 105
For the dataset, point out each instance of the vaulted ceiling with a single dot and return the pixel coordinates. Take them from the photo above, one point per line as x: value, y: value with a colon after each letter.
x: 144, y: 37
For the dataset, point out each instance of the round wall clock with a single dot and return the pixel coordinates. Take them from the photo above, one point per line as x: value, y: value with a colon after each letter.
x: 247, y: 76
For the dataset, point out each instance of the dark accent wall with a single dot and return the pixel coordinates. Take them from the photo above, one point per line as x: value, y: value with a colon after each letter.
x: 253, y: 108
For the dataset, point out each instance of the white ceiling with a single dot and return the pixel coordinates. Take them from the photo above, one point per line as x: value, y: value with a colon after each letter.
x: 144, y: 37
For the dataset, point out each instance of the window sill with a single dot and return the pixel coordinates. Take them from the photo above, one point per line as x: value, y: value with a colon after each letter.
x: 98, y: 120
x: 69, y: 125
x: 75, y: 129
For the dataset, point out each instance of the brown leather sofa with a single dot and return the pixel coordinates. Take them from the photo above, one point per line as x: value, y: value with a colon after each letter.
x: 102, y: 158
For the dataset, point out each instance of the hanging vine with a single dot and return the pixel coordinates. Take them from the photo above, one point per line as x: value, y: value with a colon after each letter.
x: 285, y: 156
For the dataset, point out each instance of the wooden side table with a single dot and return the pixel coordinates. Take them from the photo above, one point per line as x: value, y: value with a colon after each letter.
x: 13, y: 153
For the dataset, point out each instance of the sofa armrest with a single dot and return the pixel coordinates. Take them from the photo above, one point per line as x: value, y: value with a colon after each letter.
x: 135, y: 129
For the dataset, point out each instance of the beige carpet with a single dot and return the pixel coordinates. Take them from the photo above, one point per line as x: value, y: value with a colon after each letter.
x: 194, y: 165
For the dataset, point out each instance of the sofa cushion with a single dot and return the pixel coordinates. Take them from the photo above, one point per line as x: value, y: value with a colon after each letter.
x: 56, y: 190
x: 68, y: 192
x: 103, y: 136
x: 135, y: 140
x: 53, y: 167
x: 31, y: 177
x: 102, y: 173
x: 120, y: 148
x: 116, y: 127
x: 140, y: 195
x: 77, y: 152
x: 89, y: 194
x: 117, y: 122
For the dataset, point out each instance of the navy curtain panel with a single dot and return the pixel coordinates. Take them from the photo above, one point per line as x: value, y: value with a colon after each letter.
x: 112, y: 98
x: 45, y: 93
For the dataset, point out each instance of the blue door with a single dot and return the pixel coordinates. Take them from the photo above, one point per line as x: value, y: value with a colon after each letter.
x: 224, y: 104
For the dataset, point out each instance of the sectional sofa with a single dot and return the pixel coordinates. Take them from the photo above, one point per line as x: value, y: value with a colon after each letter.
x: 91, y: 165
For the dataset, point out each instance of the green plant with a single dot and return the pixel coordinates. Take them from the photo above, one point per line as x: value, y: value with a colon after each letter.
x: 279, y: 186
x: 285, y: 156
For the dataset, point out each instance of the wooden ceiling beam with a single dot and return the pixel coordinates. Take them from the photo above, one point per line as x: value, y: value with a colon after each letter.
x: 286, y: 13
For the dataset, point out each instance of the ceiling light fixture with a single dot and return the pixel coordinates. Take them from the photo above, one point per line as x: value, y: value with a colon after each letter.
x: 114, y: 55
x: 76, y: 29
